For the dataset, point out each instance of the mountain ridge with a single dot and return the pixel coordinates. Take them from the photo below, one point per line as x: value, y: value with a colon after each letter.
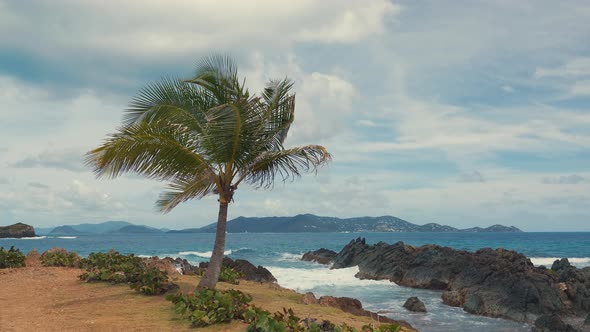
x: 315, y: 224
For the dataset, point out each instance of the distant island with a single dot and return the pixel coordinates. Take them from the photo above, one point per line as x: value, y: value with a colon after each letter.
x: 302, y: 223
x: 108, y: 227
x: 317, y: 224
x: 18, y: 230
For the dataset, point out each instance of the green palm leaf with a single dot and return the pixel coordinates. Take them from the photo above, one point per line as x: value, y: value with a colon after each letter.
x: 205, y: 136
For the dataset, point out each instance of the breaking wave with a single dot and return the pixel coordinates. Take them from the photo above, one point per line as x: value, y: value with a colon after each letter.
x: 204, y: 254
x: 307, y: 279
x: 25, y: 238
x: 548, y: 261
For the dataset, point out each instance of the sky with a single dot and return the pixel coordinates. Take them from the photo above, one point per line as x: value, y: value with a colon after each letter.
x: 465, y: 113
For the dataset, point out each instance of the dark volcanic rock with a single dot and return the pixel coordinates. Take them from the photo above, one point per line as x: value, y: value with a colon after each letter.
x: 490, y: 282
x: 247, y: 269
x: 322, y: 256
x: 552, y: 323
x: 354, y: 306
x: 184, y: 266
x: 414, y: 304
x: 17, y: 230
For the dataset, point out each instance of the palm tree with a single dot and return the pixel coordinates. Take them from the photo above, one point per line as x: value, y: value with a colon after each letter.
x: 205, y: 136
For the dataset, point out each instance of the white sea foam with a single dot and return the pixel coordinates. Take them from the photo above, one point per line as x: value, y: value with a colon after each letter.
x: 67, y: 237
x: 26, y: 238
x: 548, y: 261
x: 289, y: 257
x: 307, y: 279
x: 204, y: 254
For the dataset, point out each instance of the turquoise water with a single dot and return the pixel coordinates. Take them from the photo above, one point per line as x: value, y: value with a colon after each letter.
x: 280, y: 253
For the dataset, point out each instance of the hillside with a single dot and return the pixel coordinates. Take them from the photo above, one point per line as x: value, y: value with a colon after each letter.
x: 17, y: 230
x: 64, y: 230
x: 136, y: 229
x: 313, y: 223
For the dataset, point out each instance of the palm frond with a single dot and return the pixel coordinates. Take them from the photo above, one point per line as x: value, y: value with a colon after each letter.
x: 172, y: 100
x: 184, y: 189
x: 219, y: 75
x: 287, y: 164
x: 157, y: 150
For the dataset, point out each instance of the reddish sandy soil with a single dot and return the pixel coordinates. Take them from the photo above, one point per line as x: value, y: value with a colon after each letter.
x: 54, y: 299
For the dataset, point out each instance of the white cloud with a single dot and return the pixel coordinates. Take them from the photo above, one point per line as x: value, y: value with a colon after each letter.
x: 508, y: 88
x: 462, y: 132
x: 150, y: 29
x: 388, y: 131
x: 367, y: 123
x: 577, y: 67
x: 566, y: 179
x: 68, y: 159
x: 323, y: 100
x: 580, y: 88
x: 352, y: 25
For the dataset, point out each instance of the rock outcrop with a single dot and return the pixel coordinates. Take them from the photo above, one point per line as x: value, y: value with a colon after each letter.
x: 552, y: 323
x: 166, y: 265
x: 248, y: 270
x: 18, y: 230
x: 309, y: 298
x: 321, y: 256
x: 184, y: 267
x: 490, y: 282
x: 355, y: 307
x: 414, y: 304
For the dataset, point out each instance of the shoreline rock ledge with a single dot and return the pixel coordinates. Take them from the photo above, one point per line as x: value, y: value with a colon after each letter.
x: 18, y: 230
x: 490, y: 282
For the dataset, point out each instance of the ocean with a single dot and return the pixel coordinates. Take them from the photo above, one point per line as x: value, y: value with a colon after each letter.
x: 281, y: 253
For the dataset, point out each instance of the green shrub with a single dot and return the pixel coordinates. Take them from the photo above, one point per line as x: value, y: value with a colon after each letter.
x: 60, y: 257
x: 262, y: 321
x: 211, y: 306
x: 229, y: 275
x: 150, y: 281
x: 11, y: 258
x: 382, y: 328
x: 117, y: 268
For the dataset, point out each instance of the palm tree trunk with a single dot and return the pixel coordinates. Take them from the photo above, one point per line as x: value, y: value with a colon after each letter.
x: 211, y: 276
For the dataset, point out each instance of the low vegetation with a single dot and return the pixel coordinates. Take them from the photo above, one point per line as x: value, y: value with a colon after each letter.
x: 117, y: 268
x: 60, y: 257
x: 11, y: 258
x: 208, y: 307
x: 229, y: 275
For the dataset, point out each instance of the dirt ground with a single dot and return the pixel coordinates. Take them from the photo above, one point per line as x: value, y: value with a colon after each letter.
x: 54, y: 299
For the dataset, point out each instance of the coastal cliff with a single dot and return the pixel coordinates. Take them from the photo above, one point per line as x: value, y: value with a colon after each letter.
x: 18, y: 230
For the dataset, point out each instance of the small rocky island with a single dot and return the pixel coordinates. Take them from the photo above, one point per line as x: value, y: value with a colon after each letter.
x: 490, y: 282
x: 18, y: 230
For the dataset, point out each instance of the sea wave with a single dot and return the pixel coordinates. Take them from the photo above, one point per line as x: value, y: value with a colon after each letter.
x: 548, y: 261
x: 243, y: 250
x: 290, y: 257
x: 204, y: 254
x: 308, y: 279
x: 25, y: 238
x: 66, y: 237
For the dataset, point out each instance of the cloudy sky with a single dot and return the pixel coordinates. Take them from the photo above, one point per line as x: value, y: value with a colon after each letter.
x: 466, y: 113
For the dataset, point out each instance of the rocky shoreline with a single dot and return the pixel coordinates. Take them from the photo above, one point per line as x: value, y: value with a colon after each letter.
x: 490, y: 282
